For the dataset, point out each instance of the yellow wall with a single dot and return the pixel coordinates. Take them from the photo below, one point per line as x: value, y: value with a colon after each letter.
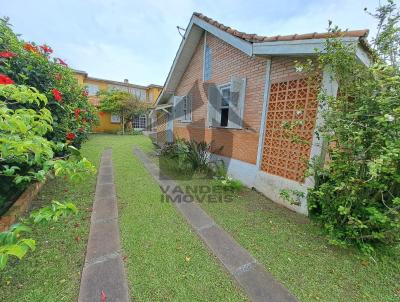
x: 153, y: 92
x: 105, y: 124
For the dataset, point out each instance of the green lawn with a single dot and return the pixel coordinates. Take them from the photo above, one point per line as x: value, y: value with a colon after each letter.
x: 297, y: 254
x: 52, y: 272
x: 165, y: 260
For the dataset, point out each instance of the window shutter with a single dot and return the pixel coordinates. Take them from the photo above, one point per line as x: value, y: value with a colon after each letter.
x: 214, y: 101
x: 178, y: 108
x: 236, y: 105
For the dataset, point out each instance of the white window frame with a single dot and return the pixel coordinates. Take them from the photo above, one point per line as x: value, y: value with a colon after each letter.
x: 140, y: 119
x: 115, y: 119
x: 90, y: 88
x: 221, y: 106
x: 187, y: 116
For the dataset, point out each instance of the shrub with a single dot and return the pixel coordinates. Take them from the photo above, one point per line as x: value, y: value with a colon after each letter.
x: 43, y: 113
x: 189, y: 154
x: 11, y: 244
x: 227, y: 183
x: 357, y: 191
x: 33, y: 66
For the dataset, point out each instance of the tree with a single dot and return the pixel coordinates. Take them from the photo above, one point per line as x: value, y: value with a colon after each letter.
x: 123, y: 103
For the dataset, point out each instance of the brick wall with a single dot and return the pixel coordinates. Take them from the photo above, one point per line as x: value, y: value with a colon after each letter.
x: 290, y: 93
x: 227, y: 61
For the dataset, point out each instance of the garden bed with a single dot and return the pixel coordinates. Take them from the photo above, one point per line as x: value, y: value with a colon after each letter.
x: 20, y: 205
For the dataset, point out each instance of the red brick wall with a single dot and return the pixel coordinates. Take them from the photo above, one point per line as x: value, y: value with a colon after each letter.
x: 227, y: 61
x: 280, y: 156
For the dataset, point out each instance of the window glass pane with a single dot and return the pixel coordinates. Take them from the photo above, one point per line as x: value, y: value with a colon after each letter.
x: 115, y: 118
x: 207, y: 63
x: 92, y: 89
x: 224, y: 117
x: 225, y: 97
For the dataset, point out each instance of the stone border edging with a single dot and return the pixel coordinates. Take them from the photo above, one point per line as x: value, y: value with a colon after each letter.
x: 103, y: 272
x: 258, y: 283
x: 20, y: 206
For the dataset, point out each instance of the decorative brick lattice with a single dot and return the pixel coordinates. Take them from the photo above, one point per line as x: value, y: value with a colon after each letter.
x: 292, y: 100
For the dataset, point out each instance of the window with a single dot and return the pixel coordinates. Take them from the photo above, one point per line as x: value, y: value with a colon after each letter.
x: 186, y: 109
x: 151, y: 96
x: 207, y: 63
x: 115, y: 119
x: 139, y: 122
x: 226, y: 104
x: 183, y: 108
x: 92, y: 89
x: 139, y: 93
x: 224, y: 108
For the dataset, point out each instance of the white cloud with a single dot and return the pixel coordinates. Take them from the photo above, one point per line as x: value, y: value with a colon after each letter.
x: 119, y: 39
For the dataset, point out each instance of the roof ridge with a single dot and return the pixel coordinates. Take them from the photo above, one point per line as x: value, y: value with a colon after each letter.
x: 254, y: 38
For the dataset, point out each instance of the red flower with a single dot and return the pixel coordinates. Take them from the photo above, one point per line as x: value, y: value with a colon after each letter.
x: 7, y: 54
x: 5, y: 80
x: 46, y: 49
x: 58, y: 77
x: 77, y: 111
x: 70, y: 136
x: 57, y: 95
x: 62, y: 62
x: 30, y: 47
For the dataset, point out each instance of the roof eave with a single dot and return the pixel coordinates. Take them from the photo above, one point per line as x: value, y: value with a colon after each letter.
x: 306, y: 47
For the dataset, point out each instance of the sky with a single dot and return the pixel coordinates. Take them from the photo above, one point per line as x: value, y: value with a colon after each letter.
x: 138, y: 40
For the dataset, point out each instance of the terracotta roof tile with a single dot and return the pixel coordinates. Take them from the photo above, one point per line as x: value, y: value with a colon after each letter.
x: 256, y: 38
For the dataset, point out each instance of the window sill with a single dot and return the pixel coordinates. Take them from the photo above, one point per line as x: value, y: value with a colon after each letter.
x: 222, y: 127
x: 185, y: 122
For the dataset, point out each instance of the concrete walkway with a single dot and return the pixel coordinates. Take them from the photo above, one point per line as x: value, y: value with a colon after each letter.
x: 103, y: 276
x: 251, y: 276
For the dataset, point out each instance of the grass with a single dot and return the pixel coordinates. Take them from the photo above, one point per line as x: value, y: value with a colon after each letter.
x: 297, y: 254
x: 165, y: 260
x: 52, y: 271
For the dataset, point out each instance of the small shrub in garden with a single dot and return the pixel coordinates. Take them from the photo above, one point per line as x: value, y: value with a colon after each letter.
x: 189, y: 154
x: 53, y: 212
x: 11, y: 244
x: 227, y: 183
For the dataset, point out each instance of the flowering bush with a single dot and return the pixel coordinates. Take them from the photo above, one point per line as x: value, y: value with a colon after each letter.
x: 32, y: 65
x: 44, y: 116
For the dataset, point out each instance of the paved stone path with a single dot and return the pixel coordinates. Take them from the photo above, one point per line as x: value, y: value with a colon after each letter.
x: 251, y: 276
x: 103, y: 276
